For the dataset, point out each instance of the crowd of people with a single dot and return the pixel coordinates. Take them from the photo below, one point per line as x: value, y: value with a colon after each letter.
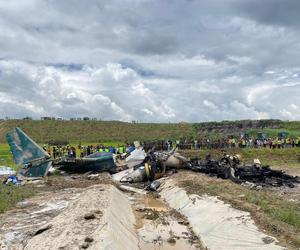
x: 232, y: 142
x: 58, y: 151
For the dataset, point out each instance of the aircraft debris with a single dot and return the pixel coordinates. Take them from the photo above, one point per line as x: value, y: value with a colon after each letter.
x: 229, y: 167
x: 136, y: 157
x: 6, y: 171
x: 99, y: 161
x: 35, y: 161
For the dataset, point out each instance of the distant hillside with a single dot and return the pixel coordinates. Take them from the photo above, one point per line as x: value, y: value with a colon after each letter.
x: 108, y: 131
x: 96, y: 131
x: 270, y: 126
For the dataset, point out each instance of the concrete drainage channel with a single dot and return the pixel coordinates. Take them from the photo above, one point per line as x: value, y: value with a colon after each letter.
x: 160, y: 227
x: 177, y: 220
x: 219, y: 225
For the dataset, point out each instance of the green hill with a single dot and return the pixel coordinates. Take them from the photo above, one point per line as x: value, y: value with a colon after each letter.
x: 115, y: 131
x: 96, y: 131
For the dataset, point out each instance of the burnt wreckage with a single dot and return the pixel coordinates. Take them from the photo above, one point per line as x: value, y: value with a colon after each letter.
x: 157, y: 164
x: 229, y: 167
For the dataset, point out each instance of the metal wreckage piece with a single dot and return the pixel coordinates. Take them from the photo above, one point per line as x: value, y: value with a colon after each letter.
x: 154, y: 166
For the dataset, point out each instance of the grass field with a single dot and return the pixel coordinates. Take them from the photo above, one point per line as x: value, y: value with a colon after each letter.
x: 112, y: 131
x: 10, y: 195
x: 287, y: 157
x: 6, y: 158
x: 96, y: 131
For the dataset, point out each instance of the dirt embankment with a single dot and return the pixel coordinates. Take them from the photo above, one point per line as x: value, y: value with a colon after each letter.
x: 68, y: 213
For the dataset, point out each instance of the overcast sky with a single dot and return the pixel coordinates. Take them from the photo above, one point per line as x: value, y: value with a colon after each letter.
x: 152, y: 61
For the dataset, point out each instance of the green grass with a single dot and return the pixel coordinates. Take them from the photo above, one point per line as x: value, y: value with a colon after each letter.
x: 277, y: 157
x: 293, y: 133
x: 277, y: 208
x: 97, y: 131
x: 111, y: 131
x: 6, y: 158
x: 10, y: 195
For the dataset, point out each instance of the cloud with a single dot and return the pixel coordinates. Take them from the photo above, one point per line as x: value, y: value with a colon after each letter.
x: 272, y: 12
x: 145, y: 60
x: 108, y: 92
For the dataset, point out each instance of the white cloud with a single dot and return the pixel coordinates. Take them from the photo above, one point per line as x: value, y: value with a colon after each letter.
x: 149, y: 60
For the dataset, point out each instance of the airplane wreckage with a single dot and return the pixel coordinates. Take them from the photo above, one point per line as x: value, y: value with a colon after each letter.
x: 139, y: 166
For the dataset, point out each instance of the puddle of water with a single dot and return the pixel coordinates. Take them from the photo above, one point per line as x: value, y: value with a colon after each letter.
x: 156, y: 234
x: 156, y: 204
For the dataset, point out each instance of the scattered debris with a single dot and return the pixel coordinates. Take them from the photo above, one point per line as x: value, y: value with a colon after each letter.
x: 42, y: 229
x: 155, y: 185
x: 6, y: 171
x: 88, y: 239
x: 84, y: 245
x: 22, y: 204
x: 267, y: 240
x: 171, y: 240
x: 93, y: 177
x: 89, y: 216
x: 132, y: 189
x: 13, y: 180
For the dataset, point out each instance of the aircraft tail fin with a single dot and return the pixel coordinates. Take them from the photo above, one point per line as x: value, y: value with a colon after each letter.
x: 23, y: 148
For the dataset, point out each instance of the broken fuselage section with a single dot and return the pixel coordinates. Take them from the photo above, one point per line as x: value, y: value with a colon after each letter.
x: 96, y: 162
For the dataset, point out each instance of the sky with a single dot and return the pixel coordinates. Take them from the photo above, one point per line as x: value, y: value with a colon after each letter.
x: 150, y: 60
